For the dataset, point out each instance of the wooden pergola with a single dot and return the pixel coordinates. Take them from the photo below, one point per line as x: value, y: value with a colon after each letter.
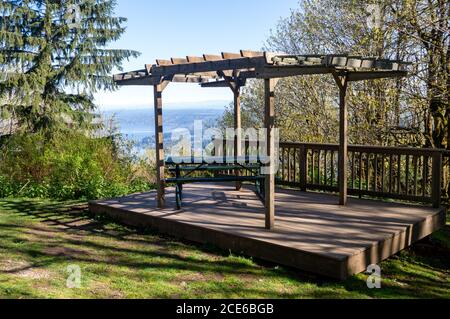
x: 233, y: 69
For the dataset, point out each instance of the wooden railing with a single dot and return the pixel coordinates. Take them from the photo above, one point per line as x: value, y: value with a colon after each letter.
x: 403, y: 173
x: 410, y: 174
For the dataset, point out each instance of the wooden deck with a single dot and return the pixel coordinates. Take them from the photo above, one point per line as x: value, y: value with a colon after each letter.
x: 312, y: 232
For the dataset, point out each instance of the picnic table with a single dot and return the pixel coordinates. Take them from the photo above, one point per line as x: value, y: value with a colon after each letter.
x: 184, y: 169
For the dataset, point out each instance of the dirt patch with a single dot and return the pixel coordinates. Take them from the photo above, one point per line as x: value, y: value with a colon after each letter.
x: 41, y: 235
x: 35, y: 273
x: 23, y: 269
x: 196, y: 277
x: 83, y: 224
x: 13, y: 266
x: 103, y: 290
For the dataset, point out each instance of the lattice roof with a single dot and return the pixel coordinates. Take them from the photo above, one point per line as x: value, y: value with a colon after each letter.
x: 213, y: 70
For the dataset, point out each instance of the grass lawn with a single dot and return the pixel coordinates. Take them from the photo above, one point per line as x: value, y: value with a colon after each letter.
x: 39, y: 240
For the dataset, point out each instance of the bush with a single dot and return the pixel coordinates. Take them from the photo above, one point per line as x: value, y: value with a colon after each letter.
x: 69, y: 166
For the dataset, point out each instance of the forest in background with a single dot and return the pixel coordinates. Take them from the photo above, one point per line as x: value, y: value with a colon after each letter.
x: 413, y: 111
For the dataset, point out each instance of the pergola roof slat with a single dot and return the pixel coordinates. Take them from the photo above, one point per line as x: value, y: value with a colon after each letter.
x: 212, y: 57
x: 195, y: 59
x: 179, y: 60
x: 228, y: 55
x: 251, y: 54
x: 163, y: 62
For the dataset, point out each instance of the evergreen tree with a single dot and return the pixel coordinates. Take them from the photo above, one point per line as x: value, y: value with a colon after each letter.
x: 53, y: 56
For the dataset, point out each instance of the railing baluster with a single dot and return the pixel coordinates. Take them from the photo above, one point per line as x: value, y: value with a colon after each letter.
x: 295, y: 164
x: 318, y: 168
x: 353, y: 170
x: 391, y: 162
x: 289, y: 165
x: 425, y: 176
x: 383, y: 173
x: 415, y: 160
x: 399, y: 173
x: 332, y: 168
x: 360, y: 172
x: 303, y: 167
x: 375, y: 173
x: 407, y: 176
x: 368, y: 171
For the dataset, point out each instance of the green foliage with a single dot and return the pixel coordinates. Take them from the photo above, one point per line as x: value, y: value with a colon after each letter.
x: 54, y: 56
x: 68, y: 166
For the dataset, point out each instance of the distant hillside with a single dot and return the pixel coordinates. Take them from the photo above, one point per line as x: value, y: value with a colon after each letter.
x: 138, y: 125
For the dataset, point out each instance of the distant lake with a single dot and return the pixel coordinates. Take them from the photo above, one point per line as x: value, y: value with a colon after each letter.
x: 138, y: 125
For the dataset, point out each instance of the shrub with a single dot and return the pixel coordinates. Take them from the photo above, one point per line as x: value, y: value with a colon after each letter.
x: 69, y: 165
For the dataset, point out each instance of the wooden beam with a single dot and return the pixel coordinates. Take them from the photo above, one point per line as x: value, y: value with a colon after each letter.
x: 269, y: 121
x: 190, y: 79
x: 342, y: 83
x: 211, y: 75
x: 290, y: 70
x: 143, y: 81
x: 151, y: 80
x: 133, y: 74
x: 159, y: 139
x: 215, y: 84
x: 372, y: 75
x: 228, y: 78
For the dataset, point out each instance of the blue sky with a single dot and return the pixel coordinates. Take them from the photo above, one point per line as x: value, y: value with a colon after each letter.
x: 177, y: 28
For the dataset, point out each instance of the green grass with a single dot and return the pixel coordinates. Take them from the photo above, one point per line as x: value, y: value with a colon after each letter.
x: 39, y: 240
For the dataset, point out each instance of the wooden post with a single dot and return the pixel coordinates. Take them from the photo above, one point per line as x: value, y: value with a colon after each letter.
x: 436, y: 179
x: 343, y: 138
x: 237, y: 127
x: 303, y: 167
x: 269, y: 121
x: 159, y: 140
